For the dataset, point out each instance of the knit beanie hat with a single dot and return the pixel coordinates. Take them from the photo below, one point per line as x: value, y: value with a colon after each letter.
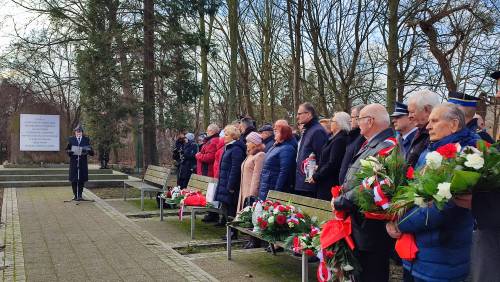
x: 190, y: 136
x: 254, y: 137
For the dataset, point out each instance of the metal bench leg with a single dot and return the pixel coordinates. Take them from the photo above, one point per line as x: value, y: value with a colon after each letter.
x: 228, y: 242
x: 142, y: 200
x: 193, y: 221
x: 305, y: 268
x: 273, y: 249
x: 161, y: 208
x: 124, y: 191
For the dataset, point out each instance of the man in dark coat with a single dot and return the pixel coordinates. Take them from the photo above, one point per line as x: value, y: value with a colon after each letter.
x: 354, y: 142
x: 313, y: 138
x: 373, y: 244
x: 78, y: 148
x: 247, y: 125
x: 468, y: 104
x: 267, y: 134
x: 420, y: 106
x: 187, y: 160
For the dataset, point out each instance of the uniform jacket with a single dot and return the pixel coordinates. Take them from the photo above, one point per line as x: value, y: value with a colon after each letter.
x: 228, y: 186
x: 329, y: 164
x: 368, y: 234
x: 206, y: 157
x: 277, y: 171
x: 79, y: 163
x: 312, y: 140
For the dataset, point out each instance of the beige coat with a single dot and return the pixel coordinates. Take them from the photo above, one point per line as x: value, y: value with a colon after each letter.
x: 250, y: 177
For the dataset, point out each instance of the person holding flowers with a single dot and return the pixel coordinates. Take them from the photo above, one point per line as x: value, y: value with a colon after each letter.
x: 251, y: 168
x: 373, y: 245
x: 442, y: 229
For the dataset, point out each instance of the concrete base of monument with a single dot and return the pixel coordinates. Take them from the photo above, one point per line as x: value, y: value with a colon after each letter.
x: 54, y: 177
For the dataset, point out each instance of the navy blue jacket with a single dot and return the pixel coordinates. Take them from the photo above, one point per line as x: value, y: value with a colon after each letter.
x: 444, y: 239
x: 228, y: 186
x: 277, y: 171
x: 79, y: 163
x: 312, y: 140
x: 473, y: 126
x: 465, y: 137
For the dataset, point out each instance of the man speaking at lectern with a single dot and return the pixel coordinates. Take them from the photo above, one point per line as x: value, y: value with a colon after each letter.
x: 78, y: 148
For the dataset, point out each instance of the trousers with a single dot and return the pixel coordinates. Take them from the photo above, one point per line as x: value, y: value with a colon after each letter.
x: 77, y: 189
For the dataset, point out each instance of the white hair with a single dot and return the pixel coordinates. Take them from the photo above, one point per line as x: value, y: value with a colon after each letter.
x: 213, y: 127
x: 423, y: 98
x: 343, y: 120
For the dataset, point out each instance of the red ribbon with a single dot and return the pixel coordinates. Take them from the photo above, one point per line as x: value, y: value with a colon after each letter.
x: 406, y: 247
x: 335, y: 230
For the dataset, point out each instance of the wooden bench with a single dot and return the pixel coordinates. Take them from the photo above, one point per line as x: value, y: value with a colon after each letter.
x: 154, y: 180
x: 312, y: 207
x: 200, y: 183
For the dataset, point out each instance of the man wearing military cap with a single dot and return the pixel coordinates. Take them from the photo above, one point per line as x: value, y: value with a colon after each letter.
x: 78, y: 148
x: 404, y: 126
x: 468, y: 105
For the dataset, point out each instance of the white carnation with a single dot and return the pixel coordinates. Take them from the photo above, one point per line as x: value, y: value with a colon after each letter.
x: 474, y: 161
x: 270, y: 220
x: 444, y: 190
x: 419, y: 201
x: 433, y: 160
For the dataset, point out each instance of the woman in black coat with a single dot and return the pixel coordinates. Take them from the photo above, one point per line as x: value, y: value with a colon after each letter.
x: 332, y: 153
x: 228, y: 186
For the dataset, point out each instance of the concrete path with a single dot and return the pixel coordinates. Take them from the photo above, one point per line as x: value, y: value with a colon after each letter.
x: 85, y: 242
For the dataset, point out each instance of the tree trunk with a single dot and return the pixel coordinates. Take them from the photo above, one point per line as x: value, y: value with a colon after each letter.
x: 392, y: 54
x: 149, y: 137
x: 204, y: 46
x: 233, y: 68
x: 297, y: 55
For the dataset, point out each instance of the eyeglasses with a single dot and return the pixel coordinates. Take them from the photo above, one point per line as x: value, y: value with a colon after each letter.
x: 332, y: 120
x: 354, y: 117
x: 301, y: 113
x: 360, y: 118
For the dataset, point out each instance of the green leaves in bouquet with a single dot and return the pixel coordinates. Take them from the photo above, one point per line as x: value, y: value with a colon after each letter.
x: 463, y: 181
x: 490, y: 178
x: 364, y: 200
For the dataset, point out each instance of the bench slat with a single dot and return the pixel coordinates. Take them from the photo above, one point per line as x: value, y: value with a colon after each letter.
x: 158, y: 168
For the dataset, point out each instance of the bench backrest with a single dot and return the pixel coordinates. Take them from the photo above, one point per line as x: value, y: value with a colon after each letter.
x: 200, y: 182
x: 313, y: 207
x: 157, y: 175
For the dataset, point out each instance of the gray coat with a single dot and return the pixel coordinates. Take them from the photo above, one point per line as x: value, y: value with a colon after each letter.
x: 369, y: 235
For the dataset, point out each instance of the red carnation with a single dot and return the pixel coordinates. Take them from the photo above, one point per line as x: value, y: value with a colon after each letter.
x: 259, y: 219
x: 448, y: 151
x: 410, y: 173
x: 281, y: 208
x: 309, y: 252
x: 281, y: 219
x: 313, y: 232
x: 336, y: 190
x: 487, y: 144
x: 329, y: 254
x: 263, y: 224
x: 299, y: 215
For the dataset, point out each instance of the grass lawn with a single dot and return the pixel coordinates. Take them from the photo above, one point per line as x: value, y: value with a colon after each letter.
x: 149, y: 204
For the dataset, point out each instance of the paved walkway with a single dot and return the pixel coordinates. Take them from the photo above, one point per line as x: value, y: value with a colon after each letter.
x: 85, y: 242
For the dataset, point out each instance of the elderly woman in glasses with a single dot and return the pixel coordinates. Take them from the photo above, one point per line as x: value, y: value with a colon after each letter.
x: 443, y: 237
x: 332, y: 153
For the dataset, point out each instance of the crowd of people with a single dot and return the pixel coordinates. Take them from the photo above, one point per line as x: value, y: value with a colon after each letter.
x: 249, y: 162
